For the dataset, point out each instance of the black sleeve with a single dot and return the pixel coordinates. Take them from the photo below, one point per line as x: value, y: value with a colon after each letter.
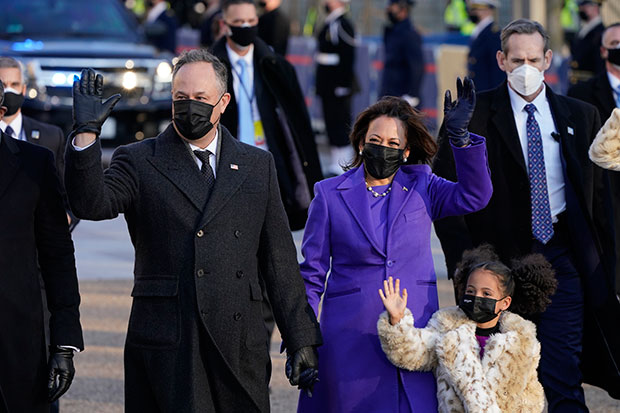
x: 346, y: 45
x: 415, y: 62
x: 56, y: 259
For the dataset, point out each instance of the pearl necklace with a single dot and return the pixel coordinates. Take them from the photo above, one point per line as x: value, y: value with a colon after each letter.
x: 377, y: 194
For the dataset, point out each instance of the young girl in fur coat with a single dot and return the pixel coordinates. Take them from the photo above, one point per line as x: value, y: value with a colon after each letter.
x: 484, y: 358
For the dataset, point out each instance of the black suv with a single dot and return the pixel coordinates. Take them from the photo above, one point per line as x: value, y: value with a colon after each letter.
x: 55, y: 39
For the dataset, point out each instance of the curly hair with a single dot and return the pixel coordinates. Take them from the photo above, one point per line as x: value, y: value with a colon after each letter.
x: 530, y: 282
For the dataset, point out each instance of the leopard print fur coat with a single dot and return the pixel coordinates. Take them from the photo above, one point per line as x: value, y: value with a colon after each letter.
x: 505, y: 380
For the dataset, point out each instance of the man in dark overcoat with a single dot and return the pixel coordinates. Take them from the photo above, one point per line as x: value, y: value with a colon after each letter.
x: 268, y: 109
x: 34, y: 236
x: 548, y: 198
x: 205, y: 217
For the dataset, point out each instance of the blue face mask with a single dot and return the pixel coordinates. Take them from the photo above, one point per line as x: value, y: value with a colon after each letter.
x: 479, y: 309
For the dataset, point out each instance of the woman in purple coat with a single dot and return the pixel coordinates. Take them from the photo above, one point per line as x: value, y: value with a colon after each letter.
x: 374, y: 222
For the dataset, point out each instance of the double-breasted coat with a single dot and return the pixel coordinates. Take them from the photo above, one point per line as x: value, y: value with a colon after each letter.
x: 355, y: 375
x: 196, y: 338
x: 34, y: 238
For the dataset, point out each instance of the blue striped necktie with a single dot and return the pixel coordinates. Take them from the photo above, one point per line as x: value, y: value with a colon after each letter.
x: 244, y: 105
x: 542, y: 223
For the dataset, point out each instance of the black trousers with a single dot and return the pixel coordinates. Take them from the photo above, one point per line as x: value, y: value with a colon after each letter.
x: 560, y: 328
x: 337, y: 116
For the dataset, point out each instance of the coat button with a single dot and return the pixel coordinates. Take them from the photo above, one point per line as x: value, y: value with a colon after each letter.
x: 239, y: 274
x: 200, y: 273
x: 200, y: 233
x: 203, y: 312
x: 237, y: 316
x: 237, y: 234
x: 390, y: 263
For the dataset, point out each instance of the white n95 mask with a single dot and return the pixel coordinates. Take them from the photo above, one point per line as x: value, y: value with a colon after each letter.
x: 525, y: 79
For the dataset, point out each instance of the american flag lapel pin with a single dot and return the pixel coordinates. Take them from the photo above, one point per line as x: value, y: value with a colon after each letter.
x: 234, y: 166
x: 570, y: 130
x: 35, y: 134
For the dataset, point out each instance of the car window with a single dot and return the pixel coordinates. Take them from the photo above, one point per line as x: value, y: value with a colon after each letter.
x: 65, y: 18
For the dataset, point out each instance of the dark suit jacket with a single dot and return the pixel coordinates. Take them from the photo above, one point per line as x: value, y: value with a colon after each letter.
x: 198, y: 261
x: 506, y: 222
x: 482, y: 62
x: 163, y: 31
x: 586, y: 53
x: 296, y: 157
x: 329, y: 77
x: 33, y: 235
x: 403, y: 68
x: 597, y: 91
x: 274, y: 28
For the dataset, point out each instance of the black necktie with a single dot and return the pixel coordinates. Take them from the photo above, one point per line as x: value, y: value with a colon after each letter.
x: 206, y: 168
x: 9, y: 131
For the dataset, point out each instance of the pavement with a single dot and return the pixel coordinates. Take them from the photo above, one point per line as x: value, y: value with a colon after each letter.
x: 104, y: 258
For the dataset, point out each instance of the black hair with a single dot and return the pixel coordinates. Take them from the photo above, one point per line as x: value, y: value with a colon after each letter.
x: 529, y: 280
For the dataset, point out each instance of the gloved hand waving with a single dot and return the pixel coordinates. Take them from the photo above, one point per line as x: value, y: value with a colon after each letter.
x: 457, y: 114
x: 89, y: 108
x: 302, y: 368
x: 60, y: 372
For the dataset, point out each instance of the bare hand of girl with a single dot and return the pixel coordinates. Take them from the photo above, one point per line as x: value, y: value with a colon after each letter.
x: 393, y: 302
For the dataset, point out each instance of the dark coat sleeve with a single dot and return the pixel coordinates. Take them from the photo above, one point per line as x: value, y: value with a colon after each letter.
x: 95, y: 194
x: 56, y: 259
x: 412, y: 46
x: 280, y: 272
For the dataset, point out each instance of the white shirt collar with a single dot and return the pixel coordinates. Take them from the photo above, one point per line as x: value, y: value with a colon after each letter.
x: 614, y: 82
x: 234, y: 57
x: 518, y: 103
x: 212, y: 147
x: 482, y: 24
x: 16, y: 125
x: 335, y: 14
x: 586, y: 28
x: 157, y: 9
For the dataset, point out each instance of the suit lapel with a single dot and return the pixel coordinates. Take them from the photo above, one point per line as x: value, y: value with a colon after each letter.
x: 228, y: 179
x: 604, y: 94
x: 398, y: 198
x: 563, y: 124
x: 504, y: 121
x: 9, y: 162
x: 354, y: 194
x: 173, y: 160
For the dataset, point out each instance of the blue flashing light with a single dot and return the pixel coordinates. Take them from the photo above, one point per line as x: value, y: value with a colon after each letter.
x: 27, y: 45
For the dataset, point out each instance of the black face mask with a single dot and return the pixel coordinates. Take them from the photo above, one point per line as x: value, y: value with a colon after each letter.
x: 193, y: 118
x: 613, y: 56
x: 327, y: 9
x: 474, y: 18
x: 262, y: 4
x: 244, y: 36
x: 392, y: 17
x: 12, y: 101
x: 583, y: 16
x: 478, y: 309
x: 380, y: 161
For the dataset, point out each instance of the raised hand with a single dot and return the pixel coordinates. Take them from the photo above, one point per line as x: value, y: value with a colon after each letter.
x: 89, y: 108
x: 458, y: 113
x: 393, y: 302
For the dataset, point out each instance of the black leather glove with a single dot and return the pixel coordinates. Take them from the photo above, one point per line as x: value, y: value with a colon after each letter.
x: 89, y: 108
x: 457, y: 114
x: 61, y: 372
x: 302, y: 368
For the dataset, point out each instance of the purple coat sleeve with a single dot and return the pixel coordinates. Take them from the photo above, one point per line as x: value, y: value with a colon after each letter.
x: 473, y: 189
x: 316, y: 249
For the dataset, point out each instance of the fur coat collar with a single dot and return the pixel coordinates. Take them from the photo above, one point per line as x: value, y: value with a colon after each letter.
x: 505, y: 380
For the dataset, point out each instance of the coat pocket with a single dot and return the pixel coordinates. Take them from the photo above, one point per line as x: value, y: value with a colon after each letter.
x: 416, y: 214
x: 154, y: 321
x: 343, y: 293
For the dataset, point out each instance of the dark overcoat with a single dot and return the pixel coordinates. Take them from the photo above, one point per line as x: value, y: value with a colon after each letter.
x: 506, y: 222
x: 33, y: 235
x: 296, y: 159
x: 482, y: 65
x: 196, y: 338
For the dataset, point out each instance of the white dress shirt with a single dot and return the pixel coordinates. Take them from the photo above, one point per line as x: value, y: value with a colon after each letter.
x: 212, y: 147
x: 614, y: 82
x: 16, y: 125
x: 551, y: 148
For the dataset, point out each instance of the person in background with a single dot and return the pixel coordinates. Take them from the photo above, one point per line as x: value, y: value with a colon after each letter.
x: 373, y: 222
x: 210, y: 27
x: 586, y: 60
x: 603, y: 91
x: 35, y: 244
x: 548, y: 198
x: 456, y: 19
x: 484, y: 45
x: 484, y: 353
x: 160, y: 26
x: 274, y: 26
x: 335, y: 80
x: 403, y: 68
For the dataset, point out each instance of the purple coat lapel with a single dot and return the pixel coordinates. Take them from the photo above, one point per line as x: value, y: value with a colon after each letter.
x: 401, y: 191
x: 353, y: 193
